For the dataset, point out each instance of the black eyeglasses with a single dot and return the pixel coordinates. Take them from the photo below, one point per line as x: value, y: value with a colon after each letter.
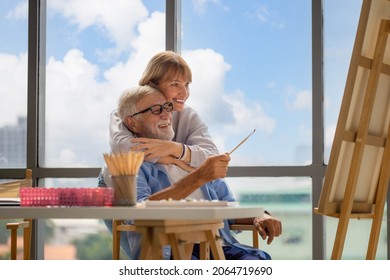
x: 156, y: 109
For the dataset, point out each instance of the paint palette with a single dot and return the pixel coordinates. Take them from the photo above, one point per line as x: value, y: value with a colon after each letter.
x: 187, y: 203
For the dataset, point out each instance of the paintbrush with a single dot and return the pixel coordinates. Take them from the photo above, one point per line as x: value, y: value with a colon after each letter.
x: 242, y: 142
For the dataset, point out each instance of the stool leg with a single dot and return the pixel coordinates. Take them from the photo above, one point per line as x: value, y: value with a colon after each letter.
x: 27, y: 240
x: 116, y: 239
x: 14, y: 248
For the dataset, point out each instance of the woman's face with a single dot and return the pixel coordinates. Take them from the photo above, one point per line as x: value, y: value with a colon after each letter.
x: 176, y: 90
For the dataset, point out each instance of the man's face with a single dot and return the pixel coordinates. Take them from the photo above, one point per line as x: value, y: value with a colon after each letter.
x: 153, y: 126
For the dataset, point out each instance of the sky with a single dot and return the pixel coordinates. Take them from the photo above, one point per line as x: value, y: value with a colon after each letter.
x: 251, y: 70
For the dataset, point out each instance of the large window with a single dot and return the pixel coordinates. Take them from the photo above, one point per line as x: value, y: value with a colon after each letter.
x: 92, y: 55
x: 252, y: 70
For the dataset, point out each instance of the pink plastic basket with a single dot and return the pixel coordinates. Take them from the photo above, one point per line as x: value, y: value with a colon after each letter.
x: 66, y: 196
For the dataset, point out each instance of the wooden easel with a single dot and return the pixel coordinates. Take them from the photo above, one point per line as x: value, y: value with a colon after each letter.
x: 358, y: 173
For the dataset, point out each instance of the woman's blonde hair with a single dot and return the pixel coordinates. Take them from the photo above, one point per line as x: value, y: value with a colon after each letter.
x: 163, y: 66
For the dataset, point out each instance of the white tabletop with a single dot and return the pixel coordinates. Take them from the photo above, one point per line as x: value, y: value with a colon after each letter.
x: 139, y: 213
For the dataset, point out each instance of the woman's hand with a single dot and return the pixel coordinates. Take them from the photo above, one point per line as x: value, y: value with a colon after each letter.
x: 154, y: 148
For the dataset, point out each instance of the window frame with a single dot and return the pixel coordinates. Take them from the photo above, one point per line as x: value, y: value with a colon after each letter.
x: 36, y: 116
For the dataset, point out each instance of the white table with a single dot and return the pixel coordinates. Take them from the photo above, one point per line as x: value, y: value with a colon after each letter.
x: 179, y: 227
x: 135, y: 213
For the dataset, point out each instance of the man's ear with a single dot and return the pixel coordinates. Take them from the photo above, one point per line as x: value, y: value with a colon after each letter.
x: 131, y: 124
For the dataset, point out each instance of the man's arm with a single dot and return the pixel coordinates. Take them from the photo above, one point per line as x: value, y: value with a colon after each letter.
x: 267, y: 226
x: 213, y: 168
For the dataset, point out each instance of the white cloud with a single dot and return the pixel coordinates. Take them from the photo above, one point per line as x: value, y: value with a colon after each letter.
x: 151, y: 35
x: 77, y: 109
x: 20, y: 11
x: 271, y: 85
x: 329, y: 135
x: 248, y: 114
x: 116, y: 18
x: 264, y: 15
x: 213, y: 104
x: 149, y: 41
x: 68, y: 156
x: 299, y: 100
x: 200, y: 5
x: 13, y: 87
x: 206, y: 92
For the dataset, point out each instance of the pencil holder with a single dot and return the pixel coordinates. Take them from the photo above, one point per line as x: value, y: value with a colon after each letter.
x: 125, y: 190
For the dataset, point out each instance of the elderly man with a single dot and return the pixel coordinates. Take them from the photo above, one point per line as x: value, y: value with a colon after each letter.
x: 147, y: 113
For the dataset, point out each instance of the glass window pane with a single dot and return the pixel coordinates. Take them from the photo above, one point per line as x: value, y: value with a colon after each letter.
x: 340, y: 24
x: 288, y: 199
x: 357, y: 239
x: 80, y: 239
x: 13, y: 96
x: 252, y: 70
x: 77, y: 239
x: 93, y: 54
x: 5, y: 241
x: 13, y: 83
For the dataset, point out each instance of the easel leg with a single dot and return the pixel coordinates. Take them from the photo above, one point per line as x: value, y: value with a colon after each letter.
x: 380, y: 200
x: 341, y: 234
x: 374, y: 237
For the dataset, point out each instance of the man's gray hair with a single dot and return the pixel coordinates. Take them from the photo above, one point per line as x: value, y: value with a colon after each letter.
x: 127, y: 103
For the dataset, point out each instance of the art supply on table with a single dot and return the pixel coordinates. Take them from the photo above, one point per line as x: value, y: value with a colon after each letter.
x: 123, y: 168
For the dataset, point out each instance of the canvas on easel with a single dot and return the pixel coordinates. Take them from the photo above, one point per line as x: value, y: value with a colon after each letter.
x: 358, y: 172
